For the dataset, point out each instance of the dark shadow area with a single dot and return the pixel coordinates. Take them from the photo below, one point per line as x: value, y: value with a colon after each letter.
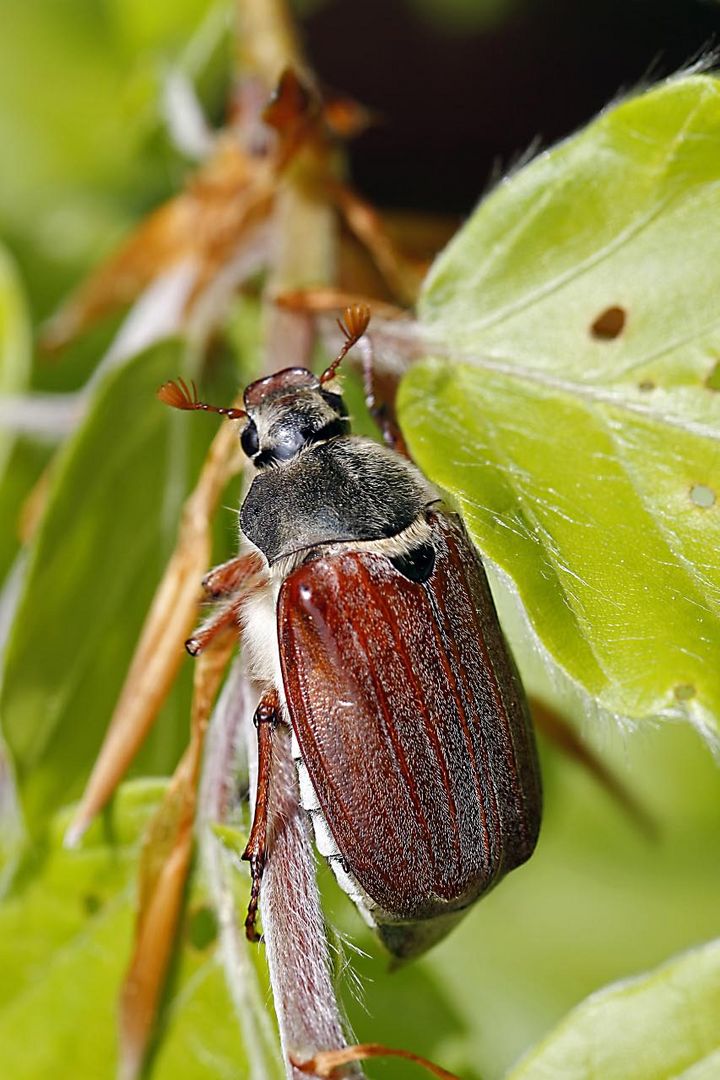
x: 457, y: 103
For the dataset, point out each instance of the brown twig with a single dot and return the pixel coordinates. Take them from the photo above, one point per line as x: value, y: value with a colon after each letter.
x: 326, y: 1064
x: 559, y: 732
x: 164, y: 865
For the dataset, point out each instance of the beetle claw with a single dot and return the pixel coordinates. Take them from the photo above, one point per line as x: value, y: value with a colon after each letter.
x: 251, y: 932
x: 257, y: 863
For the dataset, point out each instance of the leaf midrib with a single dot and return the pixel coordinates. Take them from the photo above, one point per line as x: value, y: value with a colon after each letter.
x: 509, y: 367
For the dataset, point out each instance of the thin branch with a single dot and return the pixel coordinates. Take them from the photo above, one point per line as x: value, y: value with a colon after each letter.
x: 297, y: 949
x: 267, y: 41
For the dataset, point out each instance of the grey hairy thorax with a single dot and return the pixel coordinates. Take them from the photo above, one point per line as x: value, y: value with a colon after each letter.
x: 348, y: 488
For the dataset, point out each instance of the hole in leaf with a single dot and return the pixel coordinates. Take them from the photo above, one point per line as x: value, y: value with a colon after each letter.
x: 91, y: 903
x: 713, y: 380
x: 202, y: 928
x: 646, y: 385
x: 684, y: 692
x: 609, y: 323
x: 702, y: 495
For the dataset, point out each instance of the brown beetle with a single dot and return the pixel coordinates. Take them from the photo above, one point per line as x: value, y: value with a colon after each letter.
x: 367, y: 616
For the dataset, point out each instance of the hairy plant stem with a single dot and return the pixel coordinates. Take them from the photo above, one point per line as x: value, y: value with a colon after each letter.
x: 302, y: 254
x: 225, y: 754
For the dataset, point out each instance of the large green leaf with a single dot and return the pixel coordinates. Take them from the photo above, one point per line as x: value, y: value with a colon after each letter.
x: 588, y: 465
x: 64, y: 947
x: 660, y: 1025
x: 104, y: 540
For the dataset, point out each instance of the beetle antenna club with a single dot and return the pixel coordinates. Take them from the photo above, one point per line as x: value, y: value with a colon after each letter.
x: 353, y: 325
x: 177, y: 394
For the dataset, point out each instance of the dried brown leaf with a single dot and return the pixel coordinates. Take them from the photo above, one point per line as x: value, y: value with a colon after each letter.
x: 160, y: 651
x: 206, y: 225
x: 328, y: 298
x: 33, y: 508
x: 164, y: 864
x: 402, y: 275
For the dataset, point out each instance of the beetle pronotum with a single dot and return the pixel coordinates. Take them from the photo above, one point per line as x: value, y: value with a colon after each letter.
x: 367, y: 619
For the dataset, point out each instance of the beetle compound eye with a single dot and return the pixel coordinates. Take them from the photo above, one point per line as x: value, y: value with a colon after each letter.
x: 249, y: 440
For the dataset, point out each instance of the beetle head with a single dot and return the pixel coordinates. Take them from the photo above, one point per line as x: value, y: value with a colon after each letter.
x: 288, y: 411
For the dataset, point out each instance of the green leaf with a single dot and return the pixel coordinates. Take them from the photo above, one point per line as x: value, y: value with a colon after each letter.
x: 86, y: 107
x: 14, y: 343
x: 64, y: 946
x: 235, y: 840
x: 158, y: 26
x: 14, y: 377
x: 99, y: 554
x: 659, y: 1025
x: 14, y: 334
x: 587, y: 465
x: 74, y: 132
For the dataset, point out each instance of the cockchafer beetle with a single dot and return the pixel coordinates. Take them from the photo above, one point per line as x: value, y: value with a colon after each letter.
x: 367, y: 618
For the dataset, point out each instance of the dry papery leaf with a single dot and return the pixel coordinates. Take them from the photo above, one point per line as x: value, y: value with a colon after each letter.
x: 164, y: 864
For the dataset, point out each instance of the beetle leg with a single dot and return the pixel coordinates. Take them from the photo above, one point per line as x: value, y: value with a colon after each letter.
x: 231, y: 581
x: 212, y: 628
x: 382, y: 413
x: 266, y: 717
x: 228, y: 577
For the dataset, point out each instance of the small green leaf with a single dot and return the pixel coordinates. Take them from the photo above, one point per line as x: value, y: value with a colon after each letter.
x: 64, y: 945
x: 15, y: 341
x: 659, y: 1025
x: 569, y: 410
x: 18, y: 461
x: 235, y: 840
x: 14, y: 331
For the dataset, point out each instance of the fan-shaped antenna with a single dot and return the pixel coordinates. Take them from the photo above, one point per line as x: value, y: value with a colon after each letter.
x: 353, y: 325
x: 177, y: 394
